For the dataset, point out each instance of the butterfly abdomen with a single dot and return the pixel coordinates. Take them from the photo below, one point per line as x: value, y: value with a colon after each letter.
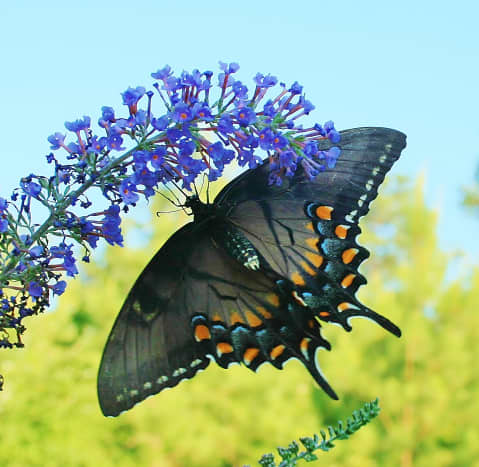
x: 236, y: 245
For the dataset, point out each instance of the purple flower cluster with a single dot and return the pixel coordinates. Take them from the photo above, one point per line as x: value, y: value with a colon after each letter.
x: 200, y: 129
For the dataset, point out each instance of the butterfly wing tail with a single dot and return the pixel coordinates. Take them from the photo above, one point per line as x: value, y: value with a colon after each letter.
x: 372, y: 316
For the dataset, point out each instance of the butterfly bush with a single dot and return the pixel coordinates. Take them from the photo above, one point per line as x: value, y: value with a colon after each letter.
x: 200, y: 129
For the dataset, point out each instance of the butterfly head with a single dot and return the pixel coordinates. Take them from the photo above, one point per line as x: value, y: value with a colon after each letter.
x: 199, y: 209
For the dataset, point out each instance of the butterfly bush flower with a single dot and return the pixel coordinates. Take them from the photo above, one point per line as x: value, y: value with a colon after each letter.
x: 184, y: 127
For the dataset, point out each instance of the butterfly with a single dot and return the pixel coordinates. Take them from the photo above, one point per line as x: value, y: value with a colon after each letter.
x: 253, y: 278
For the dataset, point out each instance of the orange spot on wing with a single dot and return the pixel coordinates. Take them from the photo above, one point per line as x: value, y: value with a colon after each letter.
x: 202, y: 333
x: 349, y: 254
x: 324, y: 212
x: 236, y: 318
x: 308, y: 268
x: 216, y: 317
x: 311, y: 324
x: 253, y: 319
x: 273, y: 299
x: 313, y: 258
x: 343, y: 306
x: 250, y: 354
x: 304, y: 344
x: 298, y: 299
x: 312, y: 243
x: 341, y: 231
x: 264, y: 312
x: 324, y: 314
x: 348, y: 280
x: 297, y: 278
x: 309, y: 226
x: 223, y: 347
x: 276, y: 351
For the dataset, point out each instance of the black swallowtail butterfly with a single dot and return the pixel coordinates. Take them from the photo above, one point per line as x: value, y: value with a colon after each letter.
x: 252, y: 278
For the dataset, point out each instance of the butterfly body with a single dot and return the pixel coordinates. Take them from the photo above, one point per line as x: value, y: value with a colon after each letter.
x: 253, y: 278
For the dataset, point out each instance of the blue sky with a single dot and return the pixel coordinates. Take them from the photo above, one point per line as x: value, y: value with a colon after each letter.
x: 405, y: 65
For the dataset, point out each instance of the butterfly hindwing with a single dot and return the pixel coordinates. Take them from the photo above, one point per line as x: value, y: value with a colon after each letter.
x: 193, y: 303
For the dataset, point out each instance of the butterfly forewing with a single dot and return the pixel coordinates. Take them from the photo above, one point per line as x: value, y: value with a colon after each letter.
x: 142, y: 353
x: 306, y: 230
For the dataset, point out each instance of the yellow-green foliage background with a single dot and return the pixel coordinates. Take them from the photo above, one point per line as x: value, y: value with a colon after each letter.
x: 427, y: 381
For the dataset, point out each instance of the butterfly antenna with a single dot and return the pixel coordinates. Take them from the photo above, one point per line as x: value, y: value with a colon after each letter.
x: 203, y: 182
x: 158, y: 213
x: 208, y: 182
x: 196, y: 190
x: 179, y: 189
x: 183, y: 193
x: 176, y: 204
x: 198, y: 193
x: 208, y: 190
x: 175, y: 196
